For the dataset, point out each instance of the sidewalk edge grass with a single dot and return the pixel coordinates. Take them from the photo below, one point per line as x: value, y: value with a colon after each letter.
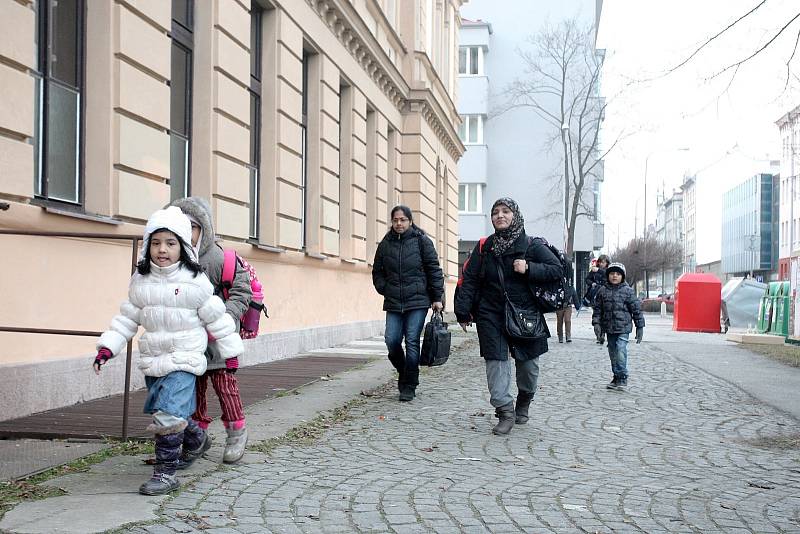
x: 309, y: 432
x: 14, y: 492
x: 787, y: 354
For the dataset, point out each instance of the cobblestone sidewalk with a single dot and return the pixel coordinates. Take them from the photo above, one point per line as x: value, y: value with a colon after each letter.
x: 681, y: 451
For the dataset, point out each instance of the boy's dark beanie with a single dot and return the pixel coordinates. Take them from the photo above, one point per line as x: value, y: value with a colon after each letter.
x: 616, y: 267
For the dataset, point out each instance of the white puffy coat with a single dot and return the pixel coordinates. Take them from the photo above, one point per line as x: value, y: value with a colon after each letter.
x: 177, y: 311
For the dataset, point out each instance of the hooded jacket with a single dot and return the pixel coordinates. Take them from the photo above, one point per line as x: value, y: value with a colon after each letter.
x: 615, y: 306
x: 211, y: 259
x: 176, y: 308
x: 406, y: 271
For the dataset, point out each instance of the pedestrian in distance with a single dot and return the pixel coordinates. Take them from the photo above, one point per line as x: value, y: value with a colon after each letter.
x: 616, y: 308
x: 173, y: 300
x: 482, y: 300
x: 220, y: 371
x: 407, y: 273
x: 594, y: 281
x: 564, y: 315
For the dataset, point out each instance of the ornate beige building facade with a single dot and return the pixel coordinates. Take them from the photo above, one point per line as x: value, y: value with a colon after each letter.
x: 302, y: 121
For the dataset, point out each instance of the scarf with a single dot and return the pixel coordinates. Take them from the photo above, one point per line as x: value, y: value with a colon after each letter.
x: 504, y: 239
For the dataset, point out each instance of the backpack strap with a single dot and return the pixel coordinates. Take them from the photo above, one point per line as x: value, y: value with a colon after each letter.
x: 228, y: 270
x: 482, y: 269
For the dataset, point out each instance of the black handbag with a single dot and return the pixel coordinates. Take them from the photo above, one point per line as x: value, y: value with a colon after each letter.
x: 520, y: 323
x: 436, y: 343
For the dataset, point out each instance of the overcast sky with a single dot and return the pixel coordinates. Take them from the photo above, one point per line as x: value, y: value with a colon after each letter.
x: 728, y: 124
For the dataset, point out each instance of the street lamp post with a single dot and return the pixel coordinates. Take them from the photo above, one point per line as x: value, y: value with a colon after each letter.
x: 564, y: 134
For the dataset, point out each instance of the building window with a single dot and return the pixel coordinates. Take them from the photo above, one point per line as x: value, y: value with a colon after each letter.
x: 471, y: 129
x: 470, y: 198
x: 470, y: 60
x: 255, y: 116
x: 304, y: 149
x: 180, y: 123
x: 58, y: 127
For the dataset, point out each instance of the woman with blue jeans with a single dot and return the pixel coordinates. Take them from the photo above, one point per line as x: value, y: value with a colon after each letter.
x: 406, y: 272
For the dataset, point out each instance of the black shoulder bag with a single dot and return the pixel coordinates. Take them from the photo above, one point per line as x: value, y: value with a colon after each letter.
x: 520, y: 323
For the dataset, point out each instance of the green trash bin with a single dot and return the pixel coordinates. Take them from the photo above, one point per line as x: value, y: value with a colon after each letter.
x: 780, y: 313
x: 766, y: 309
x: 764, y: 312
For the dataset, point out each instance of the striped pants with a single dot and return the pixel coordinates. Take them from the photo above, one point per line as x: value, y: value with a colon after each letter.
x: 227, y: 389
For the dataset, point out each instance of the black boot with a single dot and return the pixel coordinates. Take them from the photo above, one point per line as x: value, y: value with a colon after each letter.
x: 506, y: 416
x: 196, y: 442
x: 168, y: 448
x: 521, y: 409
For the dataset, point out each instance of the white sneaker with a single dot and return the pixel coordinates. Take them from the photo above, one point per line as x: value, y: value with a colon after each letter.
x: 234, y: 445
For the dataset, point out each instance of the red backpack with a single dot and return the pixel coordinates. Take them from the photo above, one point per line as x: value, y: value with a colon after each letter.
x: 250, y: 320
x: 464, y: 268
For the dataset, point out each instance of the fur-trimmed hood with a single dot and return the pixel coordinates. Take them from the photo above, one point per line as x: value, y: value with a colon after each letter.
x: 198, y: 208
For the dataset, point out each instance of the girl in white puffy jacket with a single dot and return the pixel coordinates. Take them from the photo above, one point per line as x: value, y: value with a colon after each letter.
x: 173, y: 300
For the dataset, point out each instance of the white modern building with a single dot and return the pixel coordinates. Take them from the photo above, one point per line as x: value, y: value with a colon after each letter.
x: 515, y: 153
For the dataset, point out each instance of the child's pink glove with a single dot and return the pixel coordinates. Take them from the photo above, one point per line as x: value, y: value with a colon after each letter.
x: 232, y: 364
x: 103, y: 355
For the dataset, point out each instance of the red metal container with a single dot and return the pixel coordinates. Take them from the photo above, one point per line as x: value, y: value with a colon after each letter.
x: 697, y: 303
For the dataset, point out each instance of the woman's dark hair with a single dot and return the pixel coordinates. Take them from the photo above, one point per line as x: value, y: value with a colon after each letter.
x: 143, y: 267
x: 406, y: 211
x: 605, y: 258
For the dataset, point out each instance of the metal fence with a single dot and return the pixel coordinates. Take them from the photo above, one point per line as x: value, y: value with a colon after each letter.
x: 134, y: 239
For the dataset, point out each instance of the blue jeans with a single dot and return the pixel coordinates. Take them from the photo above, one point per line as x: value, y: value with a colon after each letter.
x: 406, y: 325
x: 618, y: 353
x: 170, y: 399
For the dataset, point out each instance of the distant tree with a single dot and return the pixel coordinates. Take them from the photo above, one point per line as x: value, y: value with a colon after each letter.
x: 650, y: 255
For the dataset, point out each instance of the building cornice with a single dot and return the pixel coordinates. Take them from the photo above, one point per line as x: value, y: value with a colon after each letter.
x: 352, y: 33
x: 422, y: 101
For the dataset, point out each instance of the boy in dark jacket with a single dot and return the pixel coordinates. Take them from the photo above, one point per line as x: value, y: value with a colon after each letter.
x: 615, y: 308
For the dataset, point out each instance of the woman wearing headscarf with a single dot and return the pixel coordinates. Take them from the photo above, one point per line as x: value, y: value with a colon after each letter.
x: 407, y: 273
x: 482, y: 299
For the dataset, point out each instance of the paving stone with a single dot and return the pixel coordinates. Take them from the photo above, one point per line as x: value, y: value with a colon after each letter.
x: 664, y: 456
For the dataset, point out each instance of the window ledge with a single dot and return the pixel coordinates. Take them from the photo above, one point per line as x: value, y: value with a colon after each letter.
x: 81, y: 215
x: 320, y: 257
x: 350, y: 261
x: 267, y: 248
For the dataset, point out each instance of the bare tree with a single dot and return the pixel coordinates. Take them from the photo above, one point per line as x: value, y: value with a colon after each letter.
x: 560, y: 83
x: 787, y: 26
x: 648, y: 255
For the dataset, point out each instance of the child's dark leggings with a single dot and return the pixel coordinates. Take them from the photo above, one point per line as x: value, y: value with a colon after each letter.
x: 227, y: 389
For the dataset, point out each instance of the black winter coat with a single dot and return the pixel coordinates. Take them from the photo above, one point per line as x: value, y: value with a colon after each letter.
x: 481, y: 295
x: 615, y: 307
x: 406, y: 271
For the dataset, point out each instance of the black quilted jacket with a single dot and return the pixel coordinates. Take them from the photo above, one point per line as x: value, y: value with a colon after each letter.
x: 406, y: 271
x: 616, y: 308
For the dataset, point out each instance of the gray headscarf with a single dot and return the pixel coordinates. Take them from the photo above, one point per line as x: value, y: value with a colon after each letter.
x: 504, y: 239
